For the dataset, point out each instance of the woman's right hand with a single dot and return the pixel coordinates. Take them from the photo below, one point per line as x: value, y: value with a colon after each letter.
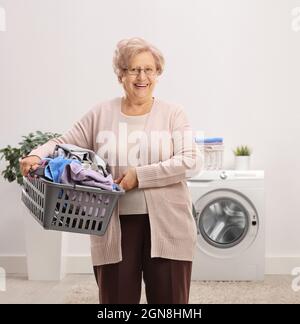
x: 29, y: 163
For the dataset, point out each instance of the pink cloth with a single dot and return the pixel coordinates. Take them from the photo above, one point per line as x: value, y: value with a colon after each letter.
x: 74, y: 173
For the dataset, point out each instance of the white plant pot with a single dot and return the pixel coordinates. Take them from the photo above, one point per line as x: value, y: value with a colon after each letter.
x: 44, y: 251
x: 242, y: 162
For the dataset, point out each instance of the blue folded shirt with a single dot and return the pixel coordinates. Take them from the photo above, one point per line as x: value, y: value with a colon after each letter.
x: 208, y: 140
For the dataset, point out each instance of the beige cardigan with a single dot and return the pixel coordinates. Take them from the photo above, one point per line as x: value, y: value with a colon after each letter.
x: 173, y: 229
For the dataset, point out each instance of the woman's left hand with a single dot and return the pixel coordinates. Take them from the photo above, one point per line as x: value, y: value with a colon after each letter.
x: 128, y: 180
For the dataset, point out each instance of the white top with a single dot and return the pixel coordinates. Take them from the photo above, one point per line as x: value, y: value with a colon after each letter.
x: 133, y: 202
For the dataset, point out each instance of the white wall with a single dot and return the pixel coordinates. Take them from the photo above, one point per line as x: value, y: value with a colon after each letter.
x: 233, y: 64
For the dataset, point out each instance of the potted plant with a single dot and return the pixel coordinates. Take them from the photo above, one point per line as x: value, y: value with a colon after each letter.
x: 242, y: 157
x: 13, y: 154
x: 43, y: 248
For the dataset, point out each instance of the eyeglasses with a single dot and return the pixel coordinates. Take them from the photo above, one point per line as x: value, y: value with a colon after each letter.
x: 136, y: 71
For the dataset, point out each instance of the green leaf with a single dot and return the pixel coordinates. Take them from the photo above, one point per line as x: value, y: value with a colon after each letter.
x: 13, y: 154
x: 242, y: 150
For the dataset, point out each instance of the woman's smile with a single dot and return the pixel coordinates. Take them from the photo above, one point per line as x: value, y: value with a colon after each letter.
x: 141, y: 86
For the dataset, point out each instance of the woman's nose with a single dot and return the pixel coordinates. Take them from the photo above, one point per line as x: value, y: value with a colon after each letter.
x: 142, y: 75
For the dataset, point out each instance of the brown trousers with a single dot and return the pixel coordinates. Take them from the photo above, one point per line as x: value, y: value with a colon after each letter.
x: 166, y: 281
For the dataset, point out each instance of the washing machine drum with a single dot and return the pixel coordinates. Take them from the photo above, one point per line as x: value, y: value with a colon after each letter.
x: 224, y: 218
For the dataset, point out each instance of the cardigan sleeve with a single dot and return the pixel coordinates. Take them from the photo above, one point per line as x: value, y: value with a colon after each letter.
x: 185, y: 162
x: 81, y: 134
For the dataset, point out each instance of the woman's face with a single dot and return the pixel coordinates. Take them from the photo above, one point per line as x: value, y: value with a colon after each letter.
x: 140, y: 78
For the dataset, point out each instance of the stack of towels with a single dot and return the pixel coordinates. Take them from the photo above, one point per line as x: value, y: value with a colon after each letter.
x: 213, y: 149
x: 209, y: 141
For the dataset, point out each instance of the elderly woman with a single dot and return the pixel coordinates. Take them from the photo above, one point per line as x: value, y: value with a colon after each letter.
x: 152, y: 234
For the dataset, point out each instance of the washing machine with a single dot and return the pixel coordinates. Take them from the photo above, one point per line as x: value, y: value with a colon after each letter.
x: 229, y: 211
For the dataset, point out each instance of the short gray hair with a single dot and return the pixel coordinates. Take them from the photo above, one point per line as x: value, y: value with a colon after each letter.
x: 128, y: 48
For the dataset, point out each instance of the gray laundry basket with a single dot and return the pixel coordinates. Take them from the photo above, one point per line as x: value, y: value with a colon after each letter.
x: 61, y: 207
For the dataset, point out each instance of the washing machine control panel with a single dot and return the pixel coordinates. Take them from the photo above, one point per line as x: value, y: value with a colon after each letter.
x: 213, y: 175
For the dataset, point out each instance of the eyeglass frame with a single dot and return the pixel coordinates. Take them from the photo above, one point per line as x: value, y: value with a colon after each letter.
x: 139, y: 70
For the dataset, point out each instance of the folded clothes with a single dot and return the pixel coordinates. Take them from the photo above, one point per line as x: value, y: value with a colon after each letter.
x: 74, y: 173
x: 208, y: 140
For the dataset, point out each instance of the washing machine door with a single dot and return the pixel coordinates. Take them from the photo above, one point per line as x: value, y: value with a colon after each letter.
x: 225, y: 220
